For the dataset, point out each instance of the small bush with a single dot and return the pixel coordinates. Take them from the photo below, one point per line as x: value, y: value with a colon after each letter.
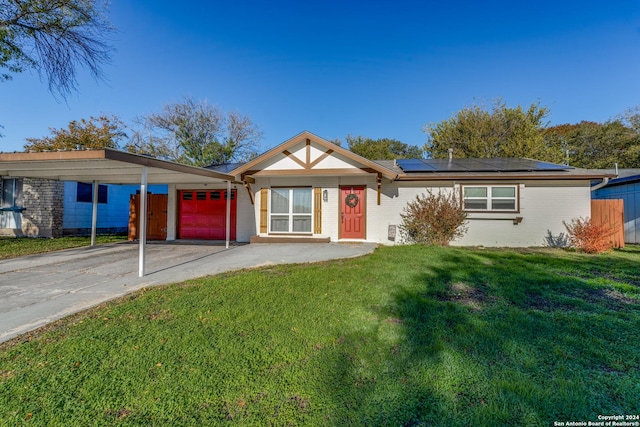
x: 433, y: 219
x: 560, y: 241
x: 589, y: 237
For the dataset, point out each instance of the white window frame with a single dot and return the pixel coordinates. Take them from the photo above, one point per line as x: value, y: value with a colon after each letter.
x: 489, y: 198
x: 290, y: 214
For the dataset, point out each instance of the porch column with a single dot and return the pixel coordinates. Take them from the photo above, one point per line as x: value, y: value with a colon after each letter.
x: 142, y: 229
x: 94, y: 213
x: 228, y: 215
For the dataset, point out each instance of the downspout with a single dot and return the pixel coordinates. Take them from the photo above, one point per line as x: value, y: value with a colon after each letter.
x: 604, y: 182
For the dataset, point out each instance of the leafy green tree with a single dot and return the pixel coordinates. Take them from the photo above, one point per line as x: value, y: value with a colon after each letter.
x: 500, y: 131
x: 196, y: 133
x: 631, y: 118
x: 382, y: 149
x: 599, y: 145
x: 95, y: 133
x: 53, y: 37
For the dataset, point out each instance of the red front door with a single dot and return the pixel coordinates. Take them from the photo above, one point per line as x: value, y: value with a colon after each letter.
x: 352, y: 215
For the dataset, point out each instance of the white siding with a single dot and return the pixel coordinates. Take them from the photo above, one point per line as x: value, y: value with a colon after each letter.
x: 284, y: 163
x: 332, y: 162
x: 172, y: 212
x: 245, y: 215
x: 280, y: 162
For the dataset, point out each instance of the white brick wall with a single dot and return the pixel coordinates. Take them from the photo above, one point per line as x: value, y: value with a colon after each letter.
x: 543, y: 206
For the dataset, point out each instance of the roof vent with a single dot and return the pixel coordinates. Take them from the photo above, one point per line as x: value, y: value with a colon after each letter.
x: 450, y: 154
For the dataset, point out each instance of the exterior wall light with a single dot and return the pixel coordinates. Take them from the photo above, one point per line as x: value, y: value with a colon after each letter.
x: 325, y: 195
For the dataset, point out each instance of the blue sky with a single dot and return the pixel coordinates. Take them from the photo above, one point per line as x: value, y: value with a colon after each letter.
x: 371, y: 68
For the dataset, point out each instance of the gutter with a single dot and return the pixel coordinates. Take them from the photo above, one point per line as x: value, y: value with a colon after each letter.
x: 604, y: 182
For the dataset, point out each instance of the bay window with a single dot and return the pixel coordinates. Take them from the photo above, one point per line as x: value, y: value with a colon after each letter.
x: 291, y: 210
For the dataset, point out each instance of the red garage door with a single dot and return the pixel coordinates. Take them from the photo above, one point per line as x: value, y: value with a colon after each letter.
x: 202, y: 214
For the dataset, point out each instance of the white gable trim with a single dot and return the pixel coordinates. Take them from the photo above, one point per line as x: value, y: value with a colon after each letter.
x: 312, y: 155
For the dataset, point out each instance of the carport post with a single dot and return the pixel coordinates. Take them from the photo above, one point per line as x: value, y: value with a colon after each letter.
x: 142, y: 229
x: 94, y: 213
x: 228, y: 216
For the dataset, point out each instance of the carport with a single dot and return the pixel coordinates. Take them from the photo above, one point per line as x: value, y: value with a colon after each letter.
x: 108, y: 166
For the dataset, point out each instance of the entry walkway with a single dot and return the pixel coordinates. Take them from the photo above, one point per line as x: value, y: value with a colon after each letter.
x: 38, y: 289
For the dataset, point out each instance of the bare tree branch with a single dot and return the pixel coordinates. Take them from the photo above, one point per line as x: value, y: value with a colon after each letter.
x: 197, y: 133
x: 55, y: 37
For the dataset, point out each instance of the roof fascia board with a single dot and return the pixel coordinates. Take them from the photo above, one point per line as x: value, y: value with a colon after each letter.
x: 53, y: 155
x: 164, y: 164
x: 114, y: 155
x: 501, y: 176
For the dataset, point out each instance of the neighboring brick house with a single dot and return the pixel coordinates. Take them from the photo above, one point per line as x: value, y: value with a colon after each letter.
x: 31, y: 207
x: 37, y: 207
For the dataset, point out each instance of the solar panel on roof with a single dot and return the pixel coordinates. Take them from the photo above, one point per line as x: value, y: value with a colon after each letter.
x: 478, y: 165
x: 414, y: 165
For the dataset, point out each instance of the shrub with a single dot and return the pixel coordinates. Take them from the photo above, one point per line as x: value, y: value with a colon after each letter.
x: 433, y: 219
x: 589, y: 237
x: 560, y: 241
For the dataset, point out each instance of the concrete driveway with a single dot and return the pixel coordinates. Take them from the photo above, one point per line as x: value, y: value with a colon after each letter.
x: 38, y: 289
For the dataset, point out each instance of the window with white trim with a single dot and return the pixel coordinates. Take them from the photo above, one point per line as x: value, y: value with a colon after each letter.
x: 291, y: 210
x: 503, y: 198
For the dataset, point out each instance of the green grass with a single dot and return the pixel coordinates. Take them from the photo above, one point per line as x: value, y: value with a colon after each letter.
x: 12, y: 247
x: 406, y: 336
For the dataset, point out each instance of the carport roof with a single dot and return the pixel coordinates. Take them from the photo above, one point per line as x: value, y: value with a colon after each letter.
x: 105, y: 166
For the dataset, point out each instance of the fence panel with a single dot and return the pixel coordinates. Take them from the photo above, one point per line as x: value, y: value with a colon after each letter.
x: 610, y: 213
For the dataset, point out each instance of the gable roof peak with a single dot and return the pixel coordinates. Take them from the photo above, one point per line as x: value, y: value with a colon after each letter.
x: 310, y: 137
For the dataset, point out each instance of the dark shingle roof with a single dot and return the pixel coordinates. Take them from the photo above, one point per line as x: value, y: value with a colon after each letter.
x: 225, y: 167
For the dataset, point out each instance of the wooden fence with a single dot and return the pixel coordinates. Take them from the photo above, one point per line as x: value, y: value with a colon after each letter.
x: 156, y: 216
x: 610, y: 213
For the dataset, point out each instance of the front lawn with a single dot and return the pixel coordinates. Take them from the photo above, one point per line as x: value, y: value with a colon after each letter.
x: 406, y: 336
x: 12, y: 247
